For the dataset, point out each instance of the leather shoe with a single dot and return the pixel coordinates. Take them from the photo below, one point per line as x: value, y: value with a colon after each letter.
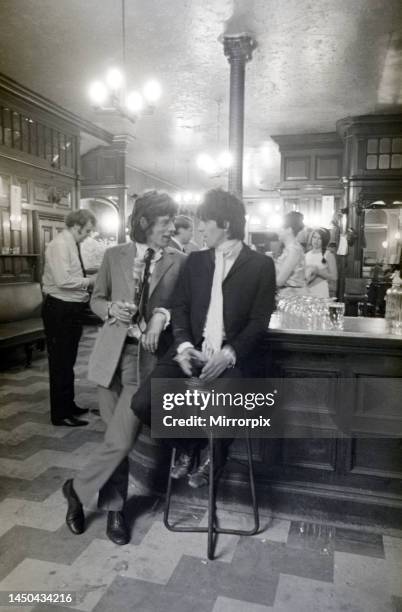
x: 70, y: 421
x: 183, y: 465
x: 75, y: 518
x: 77, y: 411
x: 116, y: 529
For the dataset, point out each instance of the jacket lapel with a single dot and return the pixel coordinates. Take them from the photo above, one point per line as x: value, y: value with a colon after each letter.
x: 161, y: 267
x: 244, y: 256
x: 127, y: 266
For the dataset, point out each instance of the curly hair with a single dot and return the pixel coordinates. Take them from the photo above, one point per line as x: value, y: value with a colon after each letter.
x: 149, y: 206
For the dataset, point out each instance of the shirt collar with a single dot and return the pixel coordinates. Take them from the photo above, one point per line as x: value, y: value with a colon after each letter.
x: 229, y: 247
x: 142, y: 248
x: 178, y: 243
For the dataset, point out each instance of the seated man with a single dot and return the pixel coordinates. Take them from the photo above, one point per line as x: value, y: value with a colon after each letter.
x: 221, y: 310
x: 223, y: 304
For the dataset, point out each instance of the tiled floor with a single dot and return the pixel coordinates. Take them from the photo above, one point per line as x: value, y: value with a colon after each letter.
x: 290, y: 566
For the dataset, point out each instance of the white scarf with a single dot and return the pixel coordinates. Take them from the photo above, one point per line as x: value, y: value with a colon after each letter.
x: 214, y: 330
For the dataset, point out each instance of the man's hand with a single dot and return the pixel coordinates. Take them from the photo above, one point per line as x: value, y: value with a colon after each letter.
x: 150, y: 338
x: 121, y: 311
x: 187, y: 358
x: 217, y: 364
x: 91, y: 281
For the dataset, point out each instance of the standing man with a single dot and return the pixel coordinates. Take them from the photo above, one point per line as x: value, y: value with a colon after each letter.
x: 183, y: 233
x: 133, y: 296
x: 66, y: 288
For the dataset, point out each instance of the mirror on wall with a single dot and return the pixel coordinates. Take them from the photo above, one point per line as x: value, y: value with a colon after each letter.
x: 383, y: 237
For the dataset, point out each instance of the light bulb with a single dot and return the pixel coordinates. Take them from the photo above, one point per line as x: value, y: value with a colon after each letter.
x: 225, y: 159
x: 385, y: 244
x: 188, y: 196
x: 152, y: 91
x: 134, y: 102
x: 98, y: 93
x: 178, y: 198
x: 114, y: 78
x: 397, y: 235
x: 206, y: 163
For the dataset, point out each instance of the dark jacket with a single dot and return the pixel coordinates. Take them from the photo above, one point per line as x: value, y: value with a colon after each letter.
x: 248, y: 300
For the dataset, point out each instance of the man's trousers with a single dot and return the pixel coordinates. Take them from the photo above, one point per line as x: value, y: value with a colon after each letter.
x: 63, y: 328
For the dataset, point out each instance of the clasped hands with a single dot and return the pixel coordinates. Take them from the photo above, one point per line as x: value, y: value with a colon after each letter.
x: 212, y: 367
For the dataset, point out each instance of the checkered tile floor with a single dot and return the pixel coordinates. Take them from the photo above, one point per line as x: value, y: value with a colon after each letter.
x: 290, y: 566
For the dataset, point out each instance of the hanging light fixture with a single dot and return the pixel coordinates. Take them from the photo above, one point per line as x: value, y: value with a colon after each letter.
x: 112, y: 95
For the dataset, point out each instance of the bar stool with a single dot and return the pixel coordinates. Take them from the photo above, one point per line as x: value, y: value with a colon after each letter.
x: 212, y: 529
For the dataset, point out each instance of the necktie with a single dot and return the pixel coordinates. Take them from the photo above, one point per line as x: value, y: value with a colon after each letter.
x: 144, y: 292
x: 80, y: 258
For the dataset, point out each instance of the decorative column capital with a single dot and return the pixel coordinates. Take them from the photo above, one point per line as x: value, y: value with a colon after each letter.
x: 238, y: 47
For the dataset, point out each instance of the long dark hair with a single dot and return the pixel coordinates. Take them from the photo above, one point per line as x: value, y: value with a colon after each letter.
x: 150, y: 205
x: 325, y: 238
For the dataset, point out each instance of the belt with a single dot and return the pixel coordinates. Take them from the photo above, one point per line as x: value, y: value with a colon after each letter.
x: 131, y: 340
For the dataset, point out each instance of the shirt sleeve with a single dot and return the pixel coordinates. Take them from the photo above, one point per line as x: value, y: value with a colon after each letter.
x: 60, y: 266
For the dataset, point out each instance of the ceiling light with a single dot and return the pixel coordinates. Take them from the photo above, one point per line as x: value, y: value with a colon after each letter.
x: 206, y: 163
x: 134, y: 102
x: 114, y: 78
x: 152, y: 91
x: 385, y: 244
x: 98, y: 93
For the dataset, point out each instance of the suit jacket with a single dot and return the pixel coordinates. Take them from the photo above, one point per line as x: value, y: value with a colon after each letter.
x: 114, y: 282
x: 248, y: 300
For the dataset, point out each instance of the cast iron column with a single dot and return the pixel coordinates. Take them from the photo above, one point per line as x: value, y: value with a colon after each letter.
x: 238, y: 49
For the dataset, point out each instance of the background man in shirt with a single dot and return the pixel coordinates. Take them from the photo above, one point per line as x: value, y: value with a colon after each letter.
x: 66, y: 288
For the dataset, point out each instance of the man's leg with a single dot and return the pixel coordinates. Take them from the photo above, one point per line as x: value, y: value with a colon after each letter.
x: 113, y: 494
x: 62, y: 336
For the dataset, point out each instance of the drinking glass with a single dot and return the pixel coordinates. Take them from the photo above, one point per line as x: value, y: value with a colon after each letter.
x: 336, y: 315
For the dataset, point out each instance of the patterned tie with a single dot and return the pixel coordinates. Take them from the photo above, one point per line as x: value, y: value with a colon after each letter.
x: 144, y: 291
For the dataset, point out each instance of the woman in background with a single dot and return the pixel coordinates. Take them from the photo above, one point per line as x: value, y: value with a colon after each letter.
x: 321, y: 269
x: 290, y: 265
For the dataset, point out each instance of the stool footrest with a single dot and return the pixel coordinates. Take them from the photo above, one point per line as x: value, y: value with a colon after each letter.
x: 212, y: 529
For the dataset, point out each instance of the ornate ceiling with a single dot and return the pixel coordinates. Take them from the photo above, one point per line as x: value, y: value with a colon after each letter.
x: 316, y: 62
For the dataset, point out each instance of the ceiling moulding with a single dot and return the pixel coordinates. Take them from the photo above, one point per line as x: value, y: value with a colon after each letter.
x: 28, y: 96
x: 324, y: 140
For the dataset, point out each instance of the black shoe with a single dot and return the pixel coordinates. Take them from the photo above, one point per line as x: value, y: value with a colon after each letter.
x: 116, y: 529
x: 183, y: 465
x: 70, y: 421
x: 75, y: 518
x: 77, y: 411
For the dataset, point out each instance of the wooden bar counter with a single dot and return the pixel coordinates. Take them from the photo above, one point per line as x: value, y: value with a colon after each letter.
x: 355, y: 478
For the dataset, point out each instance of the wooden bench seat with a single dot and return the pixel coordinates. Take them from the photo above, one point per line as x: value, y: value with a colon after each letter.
x: 20, y: 317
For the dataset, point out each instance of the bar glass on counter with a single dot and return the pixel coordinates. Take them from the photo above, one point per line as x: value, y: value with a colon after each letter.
x: 311, y: 313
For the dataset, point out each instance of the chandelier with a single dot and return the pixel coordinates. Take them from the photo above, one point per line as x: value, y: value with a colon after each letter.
x: 112, y: 96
